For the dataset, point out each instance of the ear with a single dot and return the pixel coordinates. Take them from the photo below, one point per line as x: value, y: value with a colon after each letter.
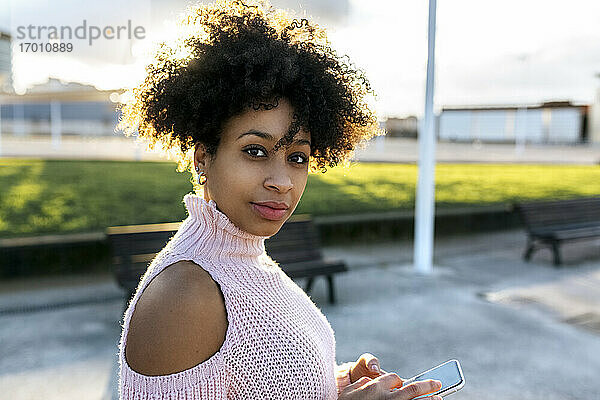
x: 200, y: 155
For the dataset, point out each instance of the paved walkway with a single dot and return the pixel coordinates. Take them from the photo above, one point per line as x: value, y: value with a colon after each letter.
x: 511, y: 324
x: 381, y: 149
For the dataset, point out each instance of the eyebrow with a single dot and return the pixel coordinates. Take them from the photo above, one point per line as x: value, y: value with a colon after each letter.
x: 268, y: 136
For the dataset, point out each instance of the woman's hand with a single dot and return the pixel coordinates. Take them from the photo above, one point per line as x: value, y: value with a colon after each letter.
x: 368, y: 383
x: 389, y: 387
x: 364, y: 367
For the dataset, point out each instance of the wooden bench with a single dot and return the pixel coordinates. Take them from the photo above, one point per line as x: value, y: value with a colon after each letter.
x: 296, y: 248
x: 133, y: 248
x: 549, y: 223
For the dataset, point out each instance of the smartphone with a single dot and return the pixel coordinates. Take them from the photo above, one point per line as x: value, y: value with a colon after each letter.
x: 449, y: 373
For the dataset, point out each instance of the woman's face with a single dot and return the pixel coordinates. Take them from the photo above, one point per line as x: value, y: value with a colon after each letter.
x: 246, y: 170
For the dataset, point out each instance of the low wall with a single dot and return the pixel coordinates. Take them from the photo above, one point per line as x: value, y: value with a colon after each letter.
x: 400, y: 224
x: 83, y: 252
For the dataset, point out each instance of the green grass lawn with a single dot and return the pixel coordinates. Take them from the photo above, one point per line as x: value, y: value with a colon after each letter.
x: 56, y: 196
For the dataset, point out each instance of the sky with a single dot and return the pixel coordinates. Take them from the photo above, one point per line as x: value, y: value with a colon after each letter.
x: 487, y: 52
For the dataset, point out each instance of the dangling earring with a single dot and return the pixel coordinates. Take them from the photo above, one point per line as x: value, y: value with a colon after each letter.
x: 200, y: 176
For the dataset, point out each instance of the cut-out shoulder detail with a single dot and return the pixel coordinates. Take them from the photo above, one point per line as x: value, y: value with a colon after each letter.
x: 179, y: 321
x: 278, y: 344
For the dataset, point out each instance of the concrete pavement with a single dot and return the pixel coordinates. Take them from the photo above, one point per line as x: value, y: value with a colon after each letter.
x: 504, y: 319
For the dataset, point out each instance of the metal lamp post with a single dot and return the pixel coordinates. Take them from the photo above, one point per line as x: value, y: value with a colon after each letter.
x: 425, y: 199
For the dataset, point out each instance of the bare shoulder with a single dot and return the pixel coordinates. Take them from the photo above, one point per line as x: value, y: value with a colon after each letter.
x: 179, y: 321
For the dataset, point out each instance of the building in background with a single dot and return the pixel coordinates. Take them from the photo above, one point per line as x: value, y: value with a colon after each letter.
x: 551, y: 122
x: 594, y: 130
x: 6, y: 85
x: 61, y: 109
x: 402, y: 127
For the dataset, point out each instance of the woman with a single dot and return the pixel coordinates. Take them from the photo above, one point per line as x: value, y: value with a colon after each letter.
x: 253, y: 100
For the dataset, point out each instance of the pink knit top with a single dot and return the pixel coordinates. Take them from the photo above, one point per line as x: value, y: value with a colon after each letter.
x: 278, y: 344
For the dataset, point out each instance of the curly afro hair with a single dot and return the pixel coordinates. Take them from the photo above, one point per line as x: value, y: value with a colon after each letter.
x: 231, y: 55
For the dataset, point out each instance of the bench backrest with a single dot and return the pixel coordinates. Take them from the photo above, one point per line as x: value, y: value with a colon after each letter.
x: 296, y: 241
x: 136, y: 243
x: 541, y: 214
x: 135, y: 246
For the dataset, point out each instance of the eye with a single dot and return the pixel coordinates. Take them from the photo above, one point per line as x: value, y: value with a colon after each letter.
x: 304, y: 158
x: 255, y: 148
x: 251, y: 152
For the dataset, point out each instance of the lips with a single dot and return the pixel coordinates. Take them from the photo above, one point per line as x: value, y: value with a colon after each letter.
x: 270, y: 213
x: 278, y: 205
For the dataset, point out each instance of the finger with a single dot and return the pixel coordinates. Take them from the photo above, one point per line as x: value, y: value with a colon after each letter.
x: 362, y: 367
x: 359, y: 383
x: 383, y: 372
x: 372, y: 363
x: 434, y: 397
x: 418, y: 388
x: 365, y: 358
x: 390, y: 380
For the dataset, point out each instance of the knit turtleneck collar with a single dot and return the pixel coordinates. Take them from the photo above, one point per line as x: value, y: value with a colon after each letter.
x: 209, y: 234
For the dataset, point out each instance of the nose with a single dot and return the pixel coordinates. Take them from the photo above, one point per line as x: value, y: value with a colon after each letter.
x: 280, y: 183
x: 280, y: 178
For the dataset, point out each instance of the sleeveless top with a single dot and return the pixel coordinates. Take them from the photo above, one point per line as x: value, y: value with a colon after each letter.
x: 278, y: 343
